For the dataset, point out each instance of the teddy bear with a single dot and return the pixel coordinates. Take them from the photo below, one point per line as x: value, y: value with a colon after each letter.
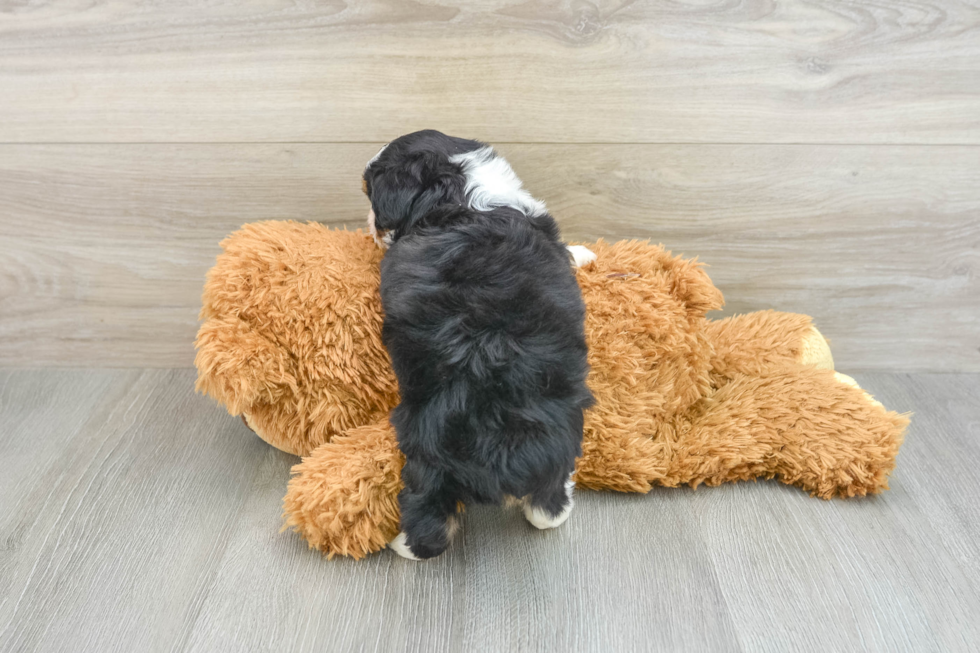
x: 290, y: 340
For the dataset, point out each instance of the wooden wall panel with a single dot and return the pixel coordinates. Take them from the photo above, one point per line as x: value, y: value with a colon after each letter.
x: 103, y: 248
x: 561, y: 71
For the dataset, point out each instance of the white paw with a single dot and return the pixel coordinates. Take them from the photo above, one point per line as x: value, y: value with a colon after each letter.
x: 400, y: 546
x: 541, y: 519
x: 581, y: 255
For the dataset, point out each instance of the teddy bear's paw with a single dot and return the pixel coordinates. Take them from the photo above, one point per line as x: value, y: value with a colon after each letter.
x: 815, y: 350
x: 400, y: 546
x: 581, y: 255
x: 252, y: 425
x: 846, y: 380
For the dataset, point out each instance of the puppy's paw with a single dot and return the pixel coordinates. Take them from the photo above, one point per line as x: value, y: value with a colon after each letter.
x: 540, y: 518
x: 400, y: 546
x: 581, y: 255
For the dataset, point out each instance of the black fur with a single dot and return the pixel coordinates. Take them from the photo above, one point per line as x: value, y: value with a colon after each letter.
x: 484, y: 325
x: 413, y: 176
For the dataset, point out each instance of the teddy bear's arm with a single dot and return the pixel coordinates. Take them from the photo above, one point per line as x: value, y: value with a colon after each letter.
x: 343, y: 497
x: 756, y: 343
x: 238, y: 366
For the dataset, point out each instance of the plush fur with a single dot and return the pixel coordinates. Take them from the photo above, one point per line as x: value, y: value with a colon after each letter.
x: 292, y: 341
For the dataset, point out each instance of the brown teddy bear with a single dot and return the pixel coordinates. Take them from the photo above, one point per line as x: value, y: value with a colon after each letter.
x: 291, y: 341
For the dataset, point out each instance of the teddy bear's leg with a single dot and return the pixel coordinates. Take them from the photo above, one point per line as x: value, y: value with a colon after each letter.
x: 800, y: 424
x: 757, y: 342
x: 620, y: 454
x: 343, y: 497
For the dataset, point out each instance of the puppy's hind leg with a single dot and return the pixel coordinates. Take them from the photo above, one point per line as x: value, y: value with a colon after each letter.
x: 427, y: 507
x: 551, y: 507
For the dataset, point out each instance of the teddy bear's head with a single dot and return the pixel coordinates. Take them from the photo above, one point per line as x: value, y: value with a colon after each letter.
x: 291, y: 338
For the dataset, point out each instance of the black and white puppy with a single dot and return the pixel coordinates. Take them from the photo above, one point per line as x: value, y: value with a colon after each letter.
x: 484, y: 323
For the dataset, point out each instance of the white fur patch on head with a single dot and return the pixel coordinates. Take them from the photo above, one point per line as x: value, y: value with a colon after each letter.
x: 375, y: 157
x: 491, y: 182
x: 581, y: 255
x: 400, y: 546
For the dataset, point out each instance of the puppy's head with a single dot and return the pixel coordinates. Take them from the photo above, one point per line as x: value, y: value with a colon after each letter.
x: 409, y: 177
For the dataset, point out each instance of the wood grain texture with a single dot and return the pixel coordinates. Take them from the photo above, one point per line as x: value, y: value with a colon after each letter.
x: 103, y: 248
x: 502, y: 70
x: 117, y: 495
x: 137, y: 516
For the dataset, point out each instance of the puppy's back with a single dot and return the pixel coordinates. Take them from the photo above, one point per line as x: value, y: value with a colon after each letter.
x: 484, y: 324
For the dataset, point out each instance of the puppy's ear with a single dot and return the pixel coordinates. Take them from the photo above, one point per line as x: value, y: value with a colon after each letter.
x: 391, y: 200
x: 402, y: 195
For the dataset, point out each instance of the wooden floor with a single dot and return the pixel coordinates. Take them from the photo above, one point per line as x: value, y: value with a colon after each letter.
x: 137, y: 516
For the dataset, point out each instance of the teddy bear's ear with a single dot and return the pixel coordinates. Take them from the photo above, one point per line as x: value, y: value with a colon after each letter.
x: 238, y: 366
x: 656, y: 272
x: 692, y: 285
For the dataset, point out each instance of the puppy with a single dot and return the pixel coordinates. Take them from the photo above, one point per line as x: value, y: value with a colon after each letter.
x: 484, y: 323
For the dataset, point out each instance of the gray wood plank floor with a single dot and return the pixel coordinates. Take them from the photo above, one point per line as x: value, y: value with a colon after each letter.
x: 135, y: 515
